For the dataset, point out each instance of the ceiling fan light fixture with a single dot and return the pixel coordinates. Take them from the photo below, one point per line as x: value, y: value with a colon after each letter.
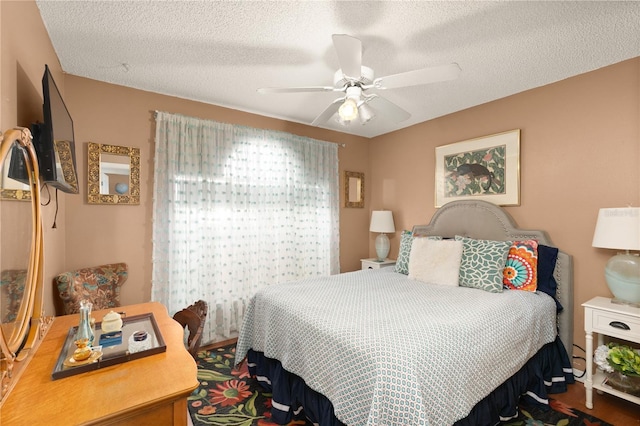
x: 348, y: 110
x: 342, y: 122
x: 365, y: 113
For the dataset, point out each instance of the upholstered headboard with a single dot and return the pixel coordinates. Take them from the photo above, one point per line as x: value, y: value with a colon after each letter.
x: 483, y: 220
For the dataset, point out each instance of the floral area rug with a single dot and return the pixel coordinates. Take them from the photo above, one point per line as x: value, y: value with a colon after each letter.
x: 228, y: 396
x: 560, y: 414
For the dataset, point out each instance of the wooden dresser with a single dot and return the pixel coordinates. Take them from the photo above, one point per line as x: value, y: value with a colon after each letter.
x: 147, y: 391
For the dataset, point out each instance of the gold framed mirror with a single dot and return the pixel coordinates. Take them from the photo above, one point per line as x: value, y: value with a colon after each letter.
x: 22, y: 324
x: 113, y: 174
x: 354, y: 189
x: 14, y: 184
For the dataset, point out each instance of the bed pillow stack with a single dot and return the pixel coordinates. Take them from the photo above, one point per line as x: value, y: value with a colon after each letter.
x: 484, y: 264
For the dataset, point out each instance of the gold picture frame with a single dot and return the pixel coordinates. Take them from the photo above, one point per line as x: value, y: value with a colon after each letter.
x: 11, y: 188
x: 354, y: 189
x: 95, y: 171
x: 485, y: 168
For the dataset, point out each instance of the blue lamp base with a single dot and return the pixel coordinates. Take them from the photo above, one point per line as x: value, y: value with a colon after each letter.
x: 623, y: 278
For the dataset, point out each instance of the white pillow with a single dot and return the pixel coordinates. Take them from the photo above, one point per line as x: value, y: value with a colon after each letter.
x: 436, y: 262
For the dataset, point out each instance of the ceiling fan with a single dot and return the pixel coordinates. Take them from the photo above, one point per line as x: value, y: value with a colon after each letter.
x: 354, y: 79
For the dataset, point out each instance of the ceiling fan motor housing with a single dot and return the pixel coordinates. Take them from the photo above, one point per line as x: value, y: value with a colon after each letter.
x: 354, y: 92
x: 366, y: 77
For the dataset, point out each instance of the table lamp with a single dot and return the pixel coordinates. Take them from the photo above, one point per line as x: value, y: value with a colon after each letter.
x: 619, y: 229
x: 382, y: 221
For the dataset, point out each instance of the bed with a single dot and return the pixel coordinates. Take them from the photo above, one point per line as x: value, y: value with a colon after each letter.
x: 379, y: 347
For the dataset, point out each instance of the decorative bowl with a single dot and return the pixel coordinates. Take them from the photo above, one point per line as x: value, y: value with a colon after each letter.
x: 624, y: 383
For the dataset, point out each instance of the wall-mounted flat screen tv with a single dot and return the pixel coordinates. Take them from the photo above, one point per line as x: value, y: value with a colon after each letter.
x: 54, y: 140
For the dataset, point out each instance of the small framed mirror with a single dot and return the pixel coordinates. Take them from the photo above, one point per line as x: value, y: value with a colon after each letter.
x: 113, y: 174
x: 354, y: 189
x: 15, y: 179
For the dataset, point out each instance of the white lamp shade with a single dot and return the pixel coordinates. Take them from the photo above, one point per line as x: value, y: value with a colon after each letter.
x: 618, y: 228
x: 382, y: 221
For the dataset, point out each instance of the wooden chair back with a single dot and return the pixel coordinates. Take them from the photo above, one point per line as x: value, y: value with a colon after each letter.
x: 192, y: 318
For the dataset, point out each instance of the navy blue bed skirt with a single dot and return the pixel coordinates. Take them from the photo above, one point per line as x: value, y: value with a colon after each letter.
x: 548, y: 371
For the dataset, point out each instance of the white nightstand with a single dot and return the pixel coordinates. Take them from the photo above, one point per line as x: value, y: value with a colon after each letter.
x: 374, y: 264
x: 605, y: 318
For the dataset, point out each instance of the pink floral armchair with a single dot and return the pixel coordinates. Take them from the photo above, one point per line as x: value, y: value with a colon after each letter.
x: 98, y: 284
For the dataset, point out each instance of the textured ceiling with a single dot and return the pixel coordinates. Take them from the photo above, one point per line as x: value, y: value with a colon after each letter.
x: 220, y: 52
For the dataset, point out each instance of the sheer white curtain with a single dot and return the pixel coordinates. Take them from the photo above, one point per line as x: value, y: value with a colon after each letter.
x: 236, y: 209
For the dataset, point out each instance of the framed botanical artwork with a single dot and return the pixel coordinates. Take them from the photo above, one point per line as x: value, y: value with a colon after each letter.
x: 485, y: 168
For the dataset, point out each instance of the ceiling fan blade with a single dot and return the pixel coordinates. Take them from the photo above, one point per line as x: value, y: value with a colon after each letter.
x: 349, y: 51
x: 264, y: 90
x: 328, y: 112
x: 417, y: 77
x: 387, y: 109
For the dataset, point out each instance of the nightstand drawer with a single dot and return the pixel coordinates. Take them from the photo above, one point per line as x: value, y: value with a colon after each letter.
x: 616, y: 324
x: 374, y: 264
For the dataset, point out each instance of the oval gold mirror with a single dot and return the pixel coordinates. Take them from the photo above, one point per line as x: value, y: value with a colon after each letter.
x: 20, y: 256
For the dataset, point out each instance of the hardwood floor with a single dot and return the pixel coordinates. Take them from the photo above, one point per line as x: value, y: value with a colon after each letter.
x: 219, y: 344
x: 613, y: 410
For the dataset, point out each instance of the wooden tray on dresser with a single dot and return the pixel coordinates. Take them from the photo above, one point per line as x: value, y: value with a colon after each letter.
x: 112, y: 354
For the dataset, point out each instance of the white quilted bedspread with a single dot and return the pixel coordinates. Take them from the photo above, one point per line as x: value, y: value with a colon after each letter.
x: 387, y: 350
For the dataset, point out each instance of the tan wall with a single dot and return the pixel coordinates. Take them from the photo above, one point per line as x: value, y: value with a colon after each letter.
x: 26, y: 48
x: 580, y: 152
x: 106, y: 113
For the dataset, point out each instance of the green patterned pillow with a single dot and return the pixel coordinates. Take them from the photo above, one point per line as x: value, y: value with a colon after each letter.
x: 483, y: 263
x: 402, y: 263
